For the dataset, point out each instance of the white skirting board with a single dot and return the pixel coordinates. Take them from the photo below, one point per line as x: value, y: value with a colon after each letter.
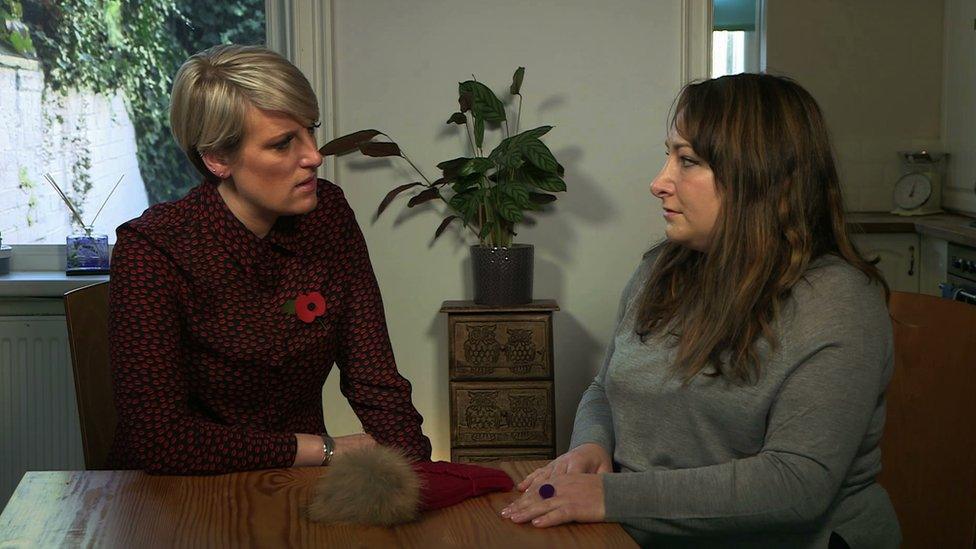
x: 39, y: 428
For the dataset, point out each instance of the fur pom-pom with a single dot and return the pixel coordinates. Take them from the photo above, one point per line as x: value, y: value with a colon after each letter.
x: 374, y: 486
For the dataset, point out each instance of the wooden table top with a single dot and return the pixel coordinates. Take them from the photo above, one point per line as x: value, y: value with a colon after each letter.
x: 253, y: 509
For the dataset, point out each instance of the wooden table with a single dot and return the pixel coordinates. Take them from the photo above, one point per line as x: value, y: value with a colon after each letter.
x: 253, y: 509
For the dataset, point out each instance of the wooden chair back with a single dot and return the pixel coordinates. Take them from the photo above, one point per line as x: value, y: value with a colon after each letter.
x: 929, y: 444
x: 86, y: 310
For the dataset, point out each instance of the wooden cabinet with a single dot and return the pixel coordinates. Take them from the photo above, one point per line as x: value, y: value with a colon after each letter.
x: 501, y: 381
x: 899, y: 257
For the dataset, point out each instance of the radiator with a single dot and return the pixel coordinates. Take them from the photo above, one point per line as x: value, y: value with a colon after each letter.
x: 39, y: 428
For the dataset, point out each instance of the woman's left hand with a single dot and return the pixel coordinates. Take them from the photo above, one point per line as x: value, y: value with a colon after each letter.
x: 578, y: 498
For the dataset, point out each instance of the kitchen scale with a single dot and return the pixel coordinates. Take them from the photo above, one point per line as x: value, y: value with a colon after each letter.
x: 919, y: 190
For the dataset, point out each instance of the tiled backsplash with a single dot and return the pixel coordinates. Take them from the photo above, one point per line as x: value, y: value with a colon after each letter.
x: 870, y: 167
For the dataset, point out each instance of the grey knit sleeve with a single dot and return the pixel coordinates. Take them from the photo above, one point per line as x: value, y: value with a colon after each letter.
x: 839, y: 348
x: 594, y: 421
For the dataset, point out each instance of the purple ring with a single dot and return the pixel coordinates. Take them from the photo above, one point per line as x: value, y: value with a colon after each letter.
x: 547, y: 490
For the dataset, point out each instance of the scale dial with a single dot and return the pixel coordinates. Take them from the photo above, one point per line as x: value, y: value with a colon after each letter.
x: 912, y: 191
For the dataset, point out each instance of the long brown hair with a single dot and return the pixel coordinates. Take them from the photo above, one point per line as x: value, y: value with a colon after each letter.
x: 765, y: 140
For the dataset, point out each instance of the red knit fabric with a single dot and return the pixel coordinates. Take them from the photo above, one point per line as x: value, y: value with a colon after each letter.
x: 443, y: 484
x: 211, y: 376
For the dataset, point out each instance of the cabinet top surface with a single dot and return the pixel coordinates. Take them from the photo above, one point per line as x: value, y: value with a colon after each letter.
x: 468, y: 306
x: 947, y: 226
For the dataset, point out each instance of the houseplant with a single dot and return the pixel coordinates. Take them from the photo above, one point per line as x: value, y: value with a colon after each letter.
x: 486, y: 194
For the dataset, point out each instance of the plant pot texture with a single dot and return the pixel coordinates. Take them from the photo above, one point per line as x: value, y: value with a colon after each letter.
x: 502, y: 275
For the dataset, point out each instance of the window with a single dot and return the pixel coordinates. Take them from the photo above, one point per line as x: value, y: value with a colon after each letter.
x: 737, y: 36
x: 85, y: 94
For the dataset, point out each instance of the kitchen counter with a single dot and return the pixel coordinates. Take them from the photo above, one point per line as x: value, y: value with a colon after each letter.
x: 947, y: 226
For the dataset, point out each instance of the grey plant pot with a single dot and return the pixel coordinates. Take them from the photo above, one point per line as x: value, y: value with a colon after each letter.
x: 502, y: 276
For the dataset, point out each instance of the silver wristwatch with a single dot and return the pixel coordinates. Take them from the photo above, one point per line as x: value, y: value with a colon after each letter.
x: 328, y: 448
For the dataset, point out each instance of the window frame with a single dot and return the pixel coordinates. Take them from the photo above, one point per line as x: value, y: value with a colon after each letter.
x: 302, y: 33
x: 755, y: 48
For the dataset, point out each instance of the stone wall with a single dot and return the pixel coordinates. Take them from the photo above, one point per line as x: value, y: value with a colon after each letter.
x: 45, y: 132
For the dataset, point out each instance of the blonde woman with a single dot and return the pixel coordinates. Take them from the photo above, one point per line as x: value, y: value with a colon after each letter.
x: 741, y: 401
x: 213, y: 372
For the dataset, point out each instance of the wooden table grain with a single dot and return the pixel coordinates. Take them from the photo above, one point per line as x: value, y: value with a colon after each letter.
x: 253, y: 509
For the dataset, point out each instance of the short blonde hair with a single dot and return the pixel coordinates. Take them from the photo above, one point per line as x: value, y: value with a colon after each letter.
x: 213, y: 89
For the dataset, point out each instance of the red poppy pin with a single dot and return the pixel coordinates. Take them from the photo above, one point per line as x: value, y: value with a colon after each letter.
x: 307, y: 307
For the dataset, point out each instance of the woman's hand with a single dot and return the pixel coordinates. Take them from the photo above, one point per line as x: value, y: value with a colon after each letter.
x: 352, y: 442
x: 585, y: 458
x: 577, y: 498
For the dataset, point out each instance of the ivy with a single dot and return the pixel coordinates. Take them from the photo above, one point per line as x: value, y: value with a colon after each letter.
x: 27, y: 185
x: 136, y: 46
x: 14, y: 35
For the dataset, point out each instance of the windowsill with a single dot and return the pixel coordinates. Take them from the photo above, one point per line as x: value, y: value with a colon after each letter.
x: 37, y: 270
x: 43, y: 283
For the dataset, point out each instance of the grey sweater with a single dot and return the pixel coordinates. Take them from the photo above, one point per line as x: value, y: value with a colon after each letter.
x: 782, y: 462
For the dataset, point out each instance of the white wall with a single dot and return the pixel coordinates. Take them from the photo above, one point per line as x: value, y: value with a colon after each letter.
x: 875, y: 67
x: 960, y: 105
x: 604, y: 74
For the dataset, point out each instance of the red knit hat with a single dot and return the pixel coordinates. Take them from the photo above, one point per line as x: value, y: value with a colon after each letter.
x: 443, y: 484
x: 379, y: 486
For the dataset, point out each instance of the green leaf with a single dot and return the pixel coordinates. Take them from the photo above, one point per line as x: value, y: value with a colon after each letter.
x: 465, y: 184
x: 543, y: 181
x: 542, y: 198
x: 288, y: 306
x: 475, y: 166
x: 347, y: 143
x: 440, y: 228
x: 379, y: 149
x: 534, y: 132
x: 507, y: 208
x: 539, y: 154
x: 393, y: 194
x: 485, y: 104
x: 505, y: 156
x: 508, y: 153
x: 424, y: 196
x: 479, y: 131
x: 518, y: 192
x: 550, y: 182
x: 516, y: 86
x: 457, y: 118
x: 466, y: 204
x: 486, y: 229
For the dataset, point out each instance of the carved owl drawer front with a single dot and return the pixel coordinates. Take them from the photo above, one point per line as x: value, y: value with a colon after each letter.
x: 501, y: 414
x: 482, y: 455
x: 500, y: 347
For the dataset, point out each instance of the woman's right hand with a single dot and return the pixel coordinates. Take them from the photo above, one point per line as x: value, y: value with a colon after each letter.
x: 585, y: 458
x: 347, y: 443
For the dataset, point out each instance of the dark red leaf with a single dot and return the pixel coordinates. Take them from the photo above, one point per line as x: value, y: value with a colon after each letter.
x: 371, y: 148
x: 442, y: 181
x: 447, y: 221
x: 457, y: 118
x: 347, y: 143
x: 423, y: 196
x: 465, y: 100
x: 451, y: 167
x: 541, y: 198
x: 393, y: 194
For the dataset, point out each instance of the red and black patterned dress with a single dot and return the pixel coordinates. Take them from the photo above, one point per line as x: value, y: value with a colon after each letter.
x: 211, y: 375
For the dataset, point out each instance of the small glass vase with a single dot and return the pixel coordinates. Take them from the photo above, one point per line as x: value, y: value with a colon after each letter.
x: 87, y: 253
